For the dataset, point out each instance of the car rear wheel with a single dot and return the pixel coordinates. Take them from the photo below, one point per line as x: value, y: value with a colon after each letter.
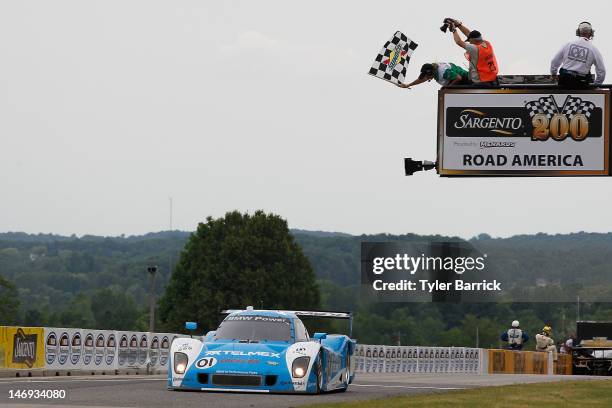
x: 347, y: 373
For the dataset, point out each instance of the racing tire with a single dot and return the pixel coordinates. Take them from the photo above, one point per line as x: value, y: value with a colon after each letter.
x: 347, y: 380
x: 319, y: 374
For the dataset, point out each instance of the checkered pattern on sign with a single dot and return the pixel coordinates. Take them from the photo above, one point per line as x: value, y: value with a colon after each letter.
x: 571, y: 106
x: 574, y: 106
x: 533, y: 108
x: 392, y: 61
x: 549, y: 106
x: 587, y: 108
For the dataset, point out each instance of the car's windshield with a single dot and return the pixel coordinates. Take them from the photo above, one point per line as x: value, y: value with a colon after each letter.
x: 254, y: 328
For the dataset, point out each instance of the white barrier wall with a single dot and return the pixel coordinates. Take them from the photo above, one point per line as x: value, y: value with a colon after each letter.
x: 80, y: 349
x: 132, y: 349
x: 63, y: 348
x: 105, y: 350
x: 163, y: 353
x: 91, y: 351
x: 413, y: 359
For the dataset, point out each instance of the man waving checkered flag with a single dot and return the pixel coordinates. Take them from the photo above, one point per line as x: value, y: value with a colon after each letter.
x: 392, y: 60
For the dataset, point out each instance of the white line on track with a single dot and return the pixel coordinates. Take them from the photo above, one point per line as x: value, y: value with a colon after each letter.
x: 75, y: 379
x: 407, y: 386
x: 60, y: 380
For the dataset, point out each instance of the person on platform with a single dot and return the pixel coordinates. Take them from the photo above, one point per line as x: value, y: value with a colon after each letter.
x: 568, y: 346
x: 571, y: 66
x: 445, y: 73
x: 545, y: 343
x: 479, y: 53
x: 515, y: 337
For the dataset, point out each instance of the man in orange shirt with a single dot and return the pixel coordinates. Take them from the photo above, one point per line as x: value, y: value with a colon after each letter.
x: 479, y: 53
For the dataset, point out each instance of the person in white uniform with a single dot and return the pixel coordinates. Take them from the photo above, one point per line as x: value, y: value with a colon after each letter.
x: 571, y: 66
x: 515, y: 337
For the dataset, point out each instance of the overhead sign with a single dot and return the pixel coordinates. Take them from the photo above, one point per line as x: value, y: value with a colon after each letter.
x: 523, y: 132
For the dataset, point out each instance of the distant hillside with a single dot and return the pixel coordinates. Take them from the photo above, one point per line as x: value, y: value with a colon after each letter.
x: 320, y: 234
x: 95, y: 281
x: 45, y: 238
x: 54, y: 260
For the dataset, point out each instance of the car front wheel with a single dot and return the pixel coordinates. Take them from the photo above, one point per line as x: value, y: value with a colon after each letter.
x: 319, y: 373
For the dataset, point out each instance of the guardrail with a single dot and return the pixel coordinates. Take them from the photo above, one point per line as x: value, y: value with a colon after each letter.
x: 423, y: 360
x: 49, y: 351
x: 415, y: 359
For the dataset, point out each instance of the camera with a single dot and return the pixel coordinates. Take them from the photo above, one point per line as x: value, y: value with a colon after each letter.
x: 448, y: 22
x: 412, y: 166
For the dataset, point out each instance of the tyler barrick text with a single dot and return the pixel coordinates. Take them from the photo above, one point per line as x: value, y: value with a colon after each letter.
x: 425, y: 285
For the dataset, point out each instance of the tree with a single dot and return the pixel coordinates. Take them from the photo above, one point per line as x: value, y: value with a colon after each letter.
x: 236, y: 261
x: 34, y: 318
x: 78, y: 313
x: 9, y: 302
x: 113, y: 309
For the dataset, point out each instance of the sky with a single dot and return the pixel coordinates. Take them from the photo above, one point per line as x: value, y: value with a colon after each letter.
x: 109, y: 108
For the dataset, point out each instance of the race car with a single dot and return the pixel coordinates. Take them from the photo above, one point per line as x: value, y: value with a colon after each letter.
x: 263, y: 351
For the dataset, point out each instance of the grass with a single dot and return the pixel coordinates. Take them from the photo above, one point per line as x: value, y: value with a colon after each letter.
x: 596, y: 393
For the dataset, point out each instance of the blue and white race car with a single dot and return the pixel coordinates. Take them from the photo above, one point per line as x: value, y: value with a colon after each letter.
x: 263, y: 351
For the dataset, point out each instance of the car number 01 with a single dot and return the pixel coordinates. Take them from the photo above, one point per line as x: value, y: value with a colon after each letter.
x: 206, y: 362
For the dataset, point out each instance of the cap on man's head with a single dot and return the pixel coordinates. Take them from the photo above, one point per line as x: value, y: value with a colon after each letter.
x: 474, y: 35
x: 426, y: 70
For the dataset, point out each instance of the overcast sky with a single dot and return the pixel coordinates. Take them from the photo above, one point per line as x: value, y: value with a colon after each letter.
x: 108, y: 108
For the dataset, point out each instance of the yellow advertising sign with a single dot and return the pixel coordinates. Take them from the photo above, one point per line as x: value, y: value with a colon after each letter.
x: 22, y: 347
x: 517, y: 362
x: 564, y: 364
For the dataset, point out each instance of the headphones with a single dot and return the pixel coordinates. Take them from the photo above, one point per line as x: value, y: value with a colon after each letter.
x: 585, y: 25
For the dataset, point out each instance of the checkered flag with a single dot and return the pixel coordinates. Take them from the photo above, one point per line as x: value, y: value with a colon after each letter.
x: 392, y: 60
x: 533, y: 108
x: 587, y: 108
x: 574, y: 106
x: 571, y: 106
x: 549, y: 106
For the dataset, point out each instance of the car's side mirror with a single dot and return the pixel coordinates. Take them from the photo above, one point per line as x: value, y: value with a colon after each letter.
x: 320, y: 336
x: 191, y: 326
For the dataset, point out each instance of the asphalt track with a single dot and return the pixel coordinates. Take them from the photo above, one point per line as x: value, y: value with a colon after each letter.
x: 150, y: 391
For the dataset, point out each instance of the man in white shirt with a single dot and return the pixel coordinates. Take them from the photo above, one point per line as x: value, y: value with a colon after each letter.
x: 573, y: 62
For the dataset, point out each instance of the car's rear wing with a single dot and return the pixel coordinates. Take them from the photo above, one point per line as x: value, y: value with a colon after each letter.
x: 305, y: 313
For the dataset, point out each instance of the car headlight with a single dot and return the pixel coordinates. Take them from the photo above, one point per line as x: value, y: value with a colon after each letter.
x: 180, y: 363
x: 300, y: 367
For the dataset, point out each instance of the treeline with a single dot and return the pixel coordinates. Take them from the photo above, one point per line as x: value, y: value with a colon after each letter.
x: 92, y: 281
x: 102, y: 282
x: 524, y: 260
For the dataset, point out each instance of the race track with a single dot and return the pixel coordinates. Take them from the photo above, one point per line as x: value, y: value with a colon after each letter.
x: 150, y: 391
